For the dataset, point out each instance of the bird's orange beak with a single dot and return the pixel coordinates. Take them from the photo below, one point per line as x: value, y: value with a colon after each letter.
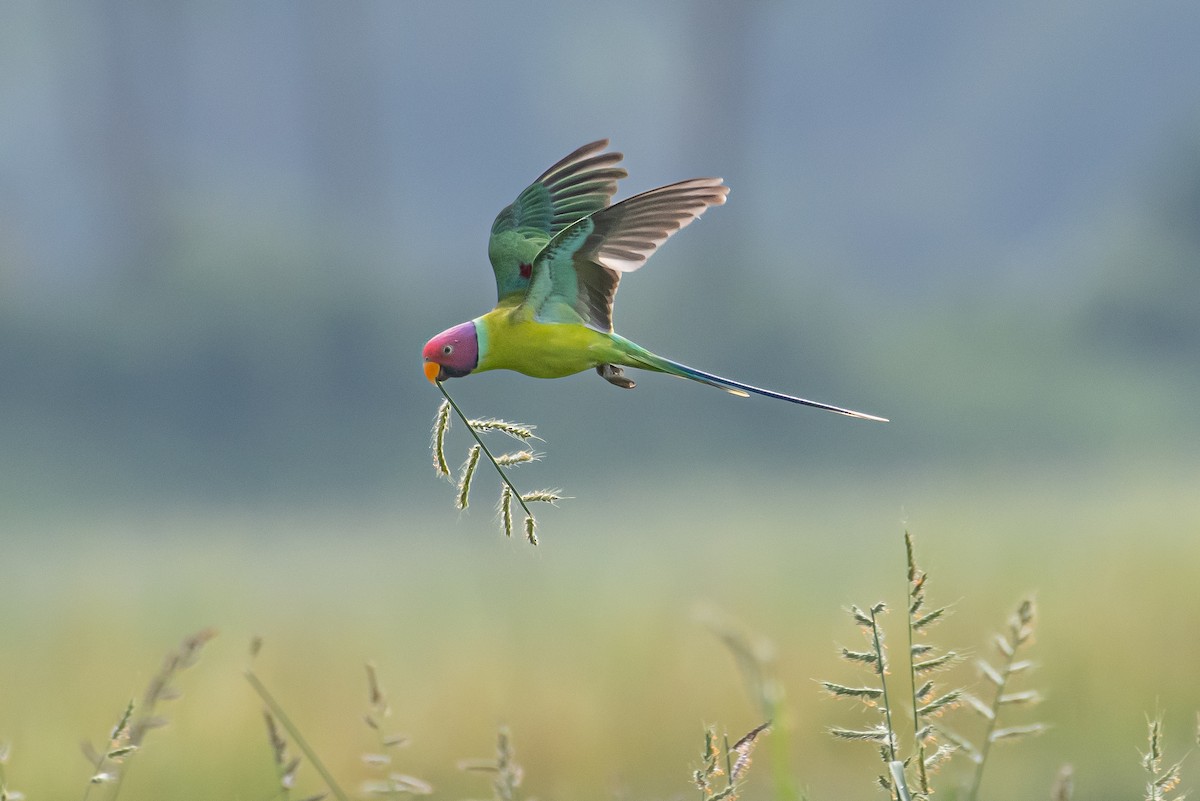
x: 431, y: 371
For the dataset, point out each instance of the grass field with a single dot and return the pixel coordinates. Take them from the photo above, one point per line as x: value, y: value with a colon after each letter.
x: 591, y: 647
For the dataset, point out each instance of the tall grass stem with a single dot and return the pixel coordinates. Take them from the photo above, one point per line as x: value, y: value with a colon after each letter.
x: 297, y: 737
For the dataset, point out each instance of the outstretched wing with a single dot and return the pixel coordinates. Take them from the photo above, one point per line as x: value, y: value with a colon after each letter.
x: 575, y: 277
x: 580, y: 184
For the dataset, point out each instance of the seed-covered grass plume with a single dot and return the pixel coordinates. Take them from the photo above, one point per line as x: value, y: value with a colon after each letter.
x: 507, y: 774
x: 508, y: 491
x: 754, y: 656
x: 1161, y: 780
x: 732, y: 762
x: 1009, y: 667
x: 910, y: 759
x: 933, y: 742
x: 387, y: 782
x: 286, y: 765
x: 874, y: 694
x: 106, y: 761
x: 925, y: 660
x: 109, y: 762
x: 441, y: 424
x: 1064, y: 784
x: 465, y: 476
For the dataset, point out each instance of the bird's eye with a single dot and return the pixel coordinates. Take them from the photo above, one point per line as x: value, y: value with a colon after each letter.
x: 447, y: 349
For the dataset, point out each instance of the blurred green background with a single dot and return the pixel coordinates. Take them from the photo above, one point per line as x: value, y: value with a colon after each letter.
x: 227, y: 229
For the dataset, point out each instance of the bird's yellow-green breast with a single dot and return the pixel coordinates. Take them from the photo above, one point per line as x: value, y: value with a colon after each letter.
x: 511, y: 340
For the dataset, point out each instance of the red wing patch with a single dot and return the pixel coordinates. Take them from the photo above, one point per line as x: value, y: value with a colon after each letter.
x: 526, y: 270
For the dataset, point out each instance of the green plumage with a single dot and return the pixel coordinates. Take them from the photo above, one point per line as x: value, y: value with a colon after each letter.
x: 578, y: 185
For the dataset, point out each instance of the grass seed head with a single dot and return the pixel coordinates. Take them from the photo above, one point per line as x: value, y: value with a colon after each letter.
x: 940, y: 704
x: 875, y: 734
x: 515, y: 430
x: 517, y: 457
x: 936, y: 663
x: 550, y: 496
x: 409, y: 785
x: 278, y: 744
x: 866, y: 657
x: 1064, y: 784
x: 464, y: 478
x: 939, y: 757
x: 1015, y: 732
x: 189, y: 649
x: 375, y: 696
x: 743, y: 748
x: 868, y: 694
x: 120, y: 732
x: 506, y: 515
x: 509, y: 493
x: 437, y: 444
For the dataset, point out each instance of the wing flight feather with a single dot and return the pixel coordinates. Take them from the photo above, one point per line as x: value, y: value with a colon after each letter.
x: 580, y: 184
x: 575, y: 277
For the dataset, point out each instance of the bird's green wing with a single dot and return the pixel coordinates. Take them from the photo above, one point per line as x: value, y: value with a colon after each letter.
x: 575, y: 277
x: 578, y: 185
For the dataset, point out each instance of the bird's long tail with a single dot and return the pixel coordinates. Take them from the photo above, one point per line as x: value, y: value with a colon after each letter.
x: 639, y: 357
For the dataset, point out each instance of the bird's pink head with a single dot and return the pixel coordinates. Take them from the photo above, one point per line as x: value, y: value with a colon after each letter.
x: 453, y: 353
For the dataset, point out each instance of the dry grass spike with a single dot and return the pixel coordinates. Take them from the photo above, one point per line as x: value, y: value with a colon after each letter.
x: 507, y: 774
x: 1163, y: 780
x: 106, y: 762
x: 1064, y: 784
x: 732, y: 762
x: 126, y: 739
x: 441, y: 425
x: 505, y: 508
x: 465, y: 476
x: 1017, y: 636
x: 924, y: 661
x: 515, y: 430
x: 388, y: 784
x: 909, y: 760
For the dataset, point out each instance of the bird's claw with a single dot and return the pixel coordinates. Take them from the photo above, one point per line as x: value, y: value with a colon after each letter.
x: 615, y: 375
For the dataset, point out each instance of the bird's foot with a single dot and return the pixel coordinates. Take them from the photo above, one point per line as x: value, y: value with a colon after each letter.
x: 615, y: 375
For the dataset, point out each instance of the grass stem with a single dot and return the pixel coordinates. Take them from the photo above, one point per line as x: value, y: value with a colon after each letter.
x: 1020, y: 630
x: 881, y: 669
x: 297, y: 737
x: 487, y: 452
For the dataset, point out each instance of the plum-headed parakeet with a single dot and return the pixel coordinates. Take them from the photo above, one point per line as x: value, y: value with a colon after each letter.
x: 558, y: 253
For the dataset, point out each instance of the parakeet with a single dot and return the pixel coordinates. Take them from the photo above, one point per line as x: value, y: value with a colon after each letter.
x: 558, y: 252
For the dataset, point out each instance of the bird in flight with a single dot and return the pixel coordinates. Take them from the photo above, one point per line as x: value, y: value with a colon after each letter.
x: 558, y: 252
